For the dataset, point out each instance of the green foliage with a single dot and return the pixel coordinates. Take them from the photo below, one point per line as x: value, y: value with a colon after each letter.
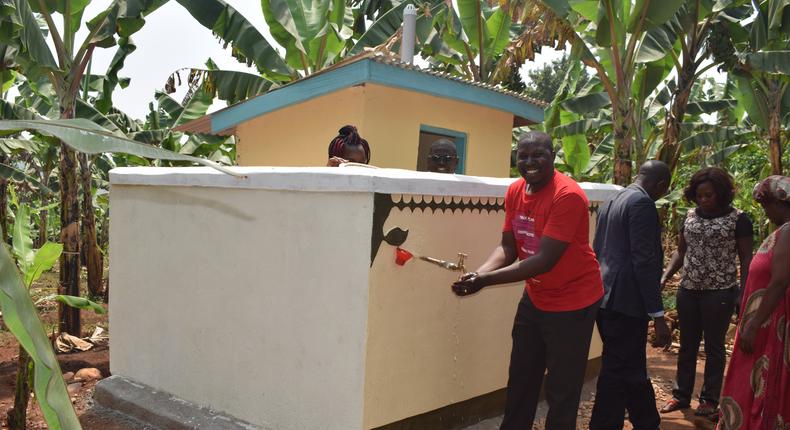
x: 21, y: 318
x: 43, y: 260
x: 78, y: 302
x: 543, y: 83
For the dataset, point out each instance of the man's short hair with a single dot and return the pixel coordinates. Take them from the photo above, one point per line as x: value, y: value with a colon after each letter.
x: 536, y: 138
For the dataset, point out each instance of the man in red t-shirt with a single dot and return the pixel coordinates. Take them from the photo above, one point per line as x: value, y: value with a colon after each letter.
x: 545, y: 242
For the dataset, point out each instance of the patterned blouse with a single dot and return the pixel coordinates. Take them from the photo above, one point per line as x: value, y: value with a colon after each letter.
x: 711, y: 261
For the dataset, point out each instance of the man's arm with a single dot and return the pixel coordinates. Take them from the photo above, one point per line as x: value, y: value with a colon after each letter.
x: 567, y: 213
x: 503, y: 255
x: 645, y: 258
x: 549, y: 253
x: 646, y: 263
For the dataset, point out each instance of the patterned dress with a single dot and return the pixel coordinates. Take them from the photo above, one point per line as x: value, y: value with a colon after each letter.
x: 756, y: 394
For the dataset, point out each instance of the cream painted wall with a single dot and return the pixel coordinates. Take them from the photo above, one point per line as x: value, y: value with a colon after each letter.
x: 252, y: 302
x: 299, y: 135
x: 394, y: 116
x: 427, y: 348
x: 388, y: 118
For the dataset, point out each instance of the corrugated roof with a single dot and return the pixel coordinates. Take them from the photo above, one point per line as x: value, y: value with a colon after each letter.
x: 224, y: 121
x: 393, y: 60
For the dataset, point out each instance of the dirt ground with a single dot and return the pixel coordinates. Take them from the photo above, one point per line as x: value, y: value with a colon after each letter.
x: 661, y: 367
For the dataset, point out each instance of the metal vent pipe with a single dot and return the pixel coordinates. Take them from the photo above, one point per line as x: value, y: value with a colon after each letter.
x: 409, y: 34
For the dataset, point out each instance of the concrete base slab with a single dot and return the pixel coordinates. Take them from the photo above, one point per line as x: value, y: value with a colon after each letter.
x: 157, y: 409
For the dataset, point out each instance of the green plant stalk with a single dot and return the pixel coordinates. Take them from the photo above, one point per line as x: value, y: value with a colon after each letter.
x: 482, y: 69
x: 56, y: 39
x: 68, y: 35
x: 21, y: 318
x: 3, y: 204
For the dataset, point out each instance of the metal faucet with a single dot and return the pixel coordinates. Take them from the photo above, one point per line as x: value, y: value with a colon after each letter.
x: 459, y: 266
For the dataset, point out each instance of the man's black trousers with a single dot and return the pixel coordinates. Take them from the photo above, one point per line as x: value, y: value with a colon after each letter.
x: 623, y: 383
x: 557, y: 342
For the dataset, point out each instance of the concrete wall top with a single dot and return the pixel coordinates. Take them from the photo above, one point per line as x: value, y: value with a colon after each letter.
x: 329, y: 179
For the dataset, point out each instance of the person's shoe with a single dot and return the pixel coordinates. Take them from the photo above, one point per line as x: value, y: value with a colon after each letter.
x: 672, y: 405
x: 705, y: 409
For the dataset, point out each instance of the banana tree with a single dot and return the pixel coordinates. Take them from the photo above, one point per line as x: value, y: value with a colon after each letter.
x: 37, y: 100
x: 696, y: 31
x: 608, y: 36
x: 761, y: 66
x: 310, y: 35
x: 486, y: 41
x: 26, y: 50
x: 469, y: 39
x: 583, y: 122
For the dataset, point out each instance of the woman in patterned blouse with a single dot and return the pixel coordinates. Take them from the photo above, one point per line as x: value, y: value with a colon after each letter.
x: 713, y: 238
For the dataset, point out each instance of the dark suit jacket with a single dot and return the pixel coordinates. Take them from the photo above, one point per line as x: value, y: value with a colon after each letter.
x: 628, y: 246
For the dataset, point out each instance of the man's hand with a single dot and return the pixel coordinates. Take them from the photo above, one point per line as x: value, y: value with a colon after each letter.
x: 663, y: 336
x: 468, y: 283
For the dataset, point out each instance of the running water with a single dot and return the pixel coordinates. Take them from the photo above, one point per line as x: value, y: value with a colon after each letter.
x: 457, y: 344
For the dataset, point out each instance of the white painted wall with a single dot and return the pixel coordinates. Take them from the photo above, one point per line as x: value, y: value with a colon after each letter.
x: 253, y: 302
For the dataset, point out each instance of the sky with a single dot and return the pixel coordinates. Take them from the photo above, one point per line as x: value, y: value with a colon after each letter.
x: 172, y: 39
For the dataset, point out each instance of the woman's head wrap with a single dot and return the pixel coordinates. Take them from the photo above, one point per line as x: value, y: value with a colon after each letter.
x: 773, y: 188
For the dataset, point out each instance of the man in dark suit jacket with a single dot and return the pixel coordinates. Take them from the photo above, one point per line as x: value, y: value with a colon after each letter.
x: 628, y: 247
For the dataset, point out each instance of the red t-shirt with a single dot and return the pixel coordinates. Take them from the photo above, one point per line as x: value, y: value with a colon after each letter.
x: 560, y: 211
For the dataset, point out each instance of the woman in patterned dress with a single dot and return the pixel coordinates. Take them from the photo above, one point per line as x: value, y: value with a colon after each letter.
x: 756, y: 394
x: 713, y: 239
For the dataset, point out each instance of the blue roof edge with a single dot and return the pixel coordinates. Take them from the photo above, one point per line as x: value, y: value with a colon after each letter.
x: 368, y: 70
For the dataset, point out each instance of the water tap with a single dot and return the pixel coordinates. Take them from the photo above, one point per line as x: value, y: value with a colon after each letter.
x: 459, y: 266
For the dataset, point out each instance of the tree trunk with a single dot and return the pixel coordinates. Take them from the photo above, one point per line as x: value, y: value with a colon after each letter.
x: 68, y: 317
x: 93, y: 256
x: 623, y: 141
x: 670, y: 149
x: 42, y: 227
x: 17, y: 416
x: 3, y: 205
x: 775, y: 127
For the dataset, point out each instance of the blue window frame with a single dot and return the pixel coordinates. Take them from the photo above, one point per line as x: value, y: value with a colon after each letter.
x: 456, y: 136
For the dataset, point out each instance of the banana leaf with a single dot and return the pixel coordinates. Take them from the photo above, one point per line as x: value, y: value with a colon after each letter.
x: 14, y: 174
x: 233, y: 28
x: 90, y: 138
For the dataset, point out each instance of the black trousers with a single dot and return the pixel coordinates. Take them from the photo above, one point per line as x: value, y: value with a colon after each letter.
x: 623, y: 383
x: 702, y: 313
x: 555, y: 341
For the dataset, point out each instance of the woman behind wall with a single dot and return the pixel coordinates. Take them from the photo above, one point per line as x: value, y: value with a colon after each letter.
x: 756, y: 392
x: 348, y: 147
x: 713, y: 238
